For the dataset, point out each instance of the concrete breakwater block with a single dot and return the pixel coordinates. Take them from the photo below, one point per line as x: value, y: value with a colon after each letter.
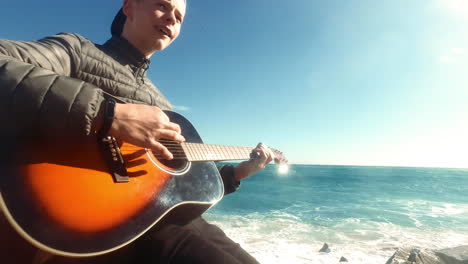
x: 457, y: 255
x: 413, y: 256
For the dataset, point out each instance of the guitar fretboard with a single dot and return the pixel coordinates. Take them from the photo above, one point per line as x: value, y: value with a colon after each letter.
x: 207, y: 152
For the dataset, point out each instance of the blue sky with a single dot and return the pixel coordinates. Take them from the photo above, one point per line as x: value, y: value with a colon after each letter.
x: 359, y: 82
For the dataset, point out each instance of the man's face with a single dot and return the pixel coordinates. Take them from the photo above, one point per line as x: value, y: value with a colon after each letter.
x: 152, y: 25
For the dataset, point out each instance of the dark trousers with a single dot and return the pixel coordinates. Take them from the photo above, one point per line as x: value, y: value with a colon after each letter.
x: 195, y: 243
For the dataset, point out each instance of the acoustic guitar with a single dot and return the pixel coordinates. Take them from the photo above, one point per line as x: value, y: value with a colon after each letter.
x: 91, y: 197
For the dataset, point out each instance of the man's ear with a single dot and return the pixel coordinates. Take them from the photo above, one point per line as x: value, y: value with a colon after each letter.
x: 127, y: 8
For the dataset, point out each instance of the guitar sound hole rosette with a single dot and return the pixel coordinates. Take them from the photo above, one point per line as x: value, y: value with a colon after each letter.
x: 173, y: 167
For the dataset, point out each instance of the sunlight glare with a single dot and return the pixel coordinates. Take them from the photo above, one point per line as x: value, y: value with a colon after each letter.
x: 456, y: 6
x: 283, y: 168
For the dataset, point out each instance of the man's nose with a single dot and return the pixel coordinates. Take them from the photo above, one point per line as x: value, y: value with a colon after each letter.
x: 171, y: 18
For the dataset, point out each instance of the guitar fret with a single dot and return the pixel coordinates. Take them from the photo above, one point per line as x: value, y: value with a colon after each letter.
x: 231, y: 153
x: 215, y: 152
x: 238, y: 154
x: 200, y: 151
x: 219, y: 155
x: 211, y: 152
x: 241, y: 154
x: 184, y: 150
x: 242, y: 150
x: 222, y: 152
x: 192, y: 154
x: 190, y: 150
x: 197, y: 154
x: 247, y: 152
x: 218, y: 152
x: 207, y: 152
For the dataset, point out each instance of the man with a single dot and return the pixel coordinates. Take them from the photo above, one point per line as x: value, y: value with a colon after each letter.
x: 60, y: 87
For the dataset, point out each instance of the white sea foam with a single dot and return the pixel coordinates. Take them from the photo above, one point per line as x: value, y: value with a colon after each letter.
x: 438, y: 209
x: 448, y: 209
x: 364, y: 214
x: 283, y: 238
x: 419, y: 211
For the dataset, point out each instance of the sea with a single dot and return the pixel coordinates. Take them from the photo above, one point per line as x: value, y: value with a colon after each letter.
x: 363, y: 213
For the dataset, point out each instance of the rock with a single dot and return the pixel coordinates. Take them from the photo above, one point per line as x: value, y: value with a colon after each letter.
x: 457, y: 255
x: 414, y: 256
x: 343, y: 259
x: 325, y: 248
x: 390, y: 260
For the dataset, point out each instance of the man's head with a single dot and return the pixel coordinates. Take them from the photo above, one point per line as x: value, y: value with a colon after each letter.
x: 150, y: 25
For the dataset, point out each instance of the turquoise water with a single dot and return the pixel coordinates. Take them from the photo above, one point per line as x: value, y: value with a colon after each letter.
x: 363, y: 213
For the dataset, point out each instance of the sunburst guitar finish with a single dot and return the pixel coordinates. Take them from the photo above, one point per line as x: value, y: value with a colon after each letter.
x: 63, y: 199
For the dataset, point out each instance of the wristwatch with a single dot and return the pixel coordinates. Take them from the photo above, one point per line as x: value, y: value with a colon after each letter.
x: 108, y: 118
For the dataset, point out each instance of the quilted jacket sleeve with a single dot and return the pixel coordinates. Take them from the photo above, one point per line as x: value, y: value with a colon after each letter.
x: 227, y: 175
x: 37, y: 94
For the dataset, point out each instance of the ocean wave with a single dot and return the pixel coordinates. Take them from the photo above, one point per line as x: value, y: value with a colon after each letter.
x: 281, y: 237
x: 449, y: 209
x: 363, y: 213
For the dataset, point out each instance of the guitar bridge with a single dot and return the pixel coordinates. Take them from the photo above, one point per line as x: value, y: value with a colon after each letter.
x: 110, y: 150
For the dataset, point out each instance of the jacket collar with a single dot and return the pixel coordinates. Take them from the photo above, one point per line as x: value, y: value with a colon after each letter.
x: 126, y: 53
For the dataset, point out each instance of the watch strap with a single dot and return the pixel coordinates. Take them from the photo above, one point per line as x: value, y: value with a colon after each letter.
x: 108, y: 117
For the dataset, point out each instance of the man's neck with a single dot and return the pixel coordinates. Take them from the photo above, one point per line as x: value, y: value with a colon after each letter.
x: 137, y: 45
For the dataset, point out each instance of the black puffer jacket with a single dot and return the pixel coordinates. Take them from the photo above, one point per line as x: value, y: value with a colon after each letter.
x: 55, y: 86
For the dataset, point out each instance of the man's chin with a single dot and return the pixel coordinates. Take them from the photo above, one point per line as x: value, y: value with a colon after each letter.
x: 161, y: 44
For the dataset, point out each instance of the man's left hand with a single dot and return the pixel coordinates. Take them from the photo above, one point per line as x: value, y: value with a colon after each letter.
x: 247, y: 168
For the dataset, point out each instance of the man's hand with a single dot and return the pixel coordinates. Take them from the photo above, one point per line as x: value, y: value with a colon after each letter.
x: 247, y: 168
x: 144, y: 126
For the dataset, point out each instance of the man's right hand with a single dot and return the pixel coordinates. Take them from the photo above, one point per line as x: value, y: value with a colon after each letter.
x: 144, y: 126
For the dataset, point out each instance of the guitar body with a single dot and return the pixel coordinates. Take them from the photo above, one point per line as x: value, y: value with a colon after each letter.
x: 63, y: 199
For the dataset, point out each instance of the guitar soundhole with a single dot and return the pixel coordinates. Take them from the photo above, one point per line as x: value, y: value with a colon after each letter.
x: 175, y: 164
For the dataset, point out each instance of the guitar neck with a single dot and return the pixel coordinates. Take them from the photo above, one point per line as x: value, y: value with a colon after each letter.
x: 207, y: 152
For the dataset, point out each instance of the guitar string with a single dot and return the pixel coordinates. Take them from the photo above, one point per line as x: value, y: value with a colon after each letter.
x: 167, y: 142
x: 178, y: 152
x: 177, y: 149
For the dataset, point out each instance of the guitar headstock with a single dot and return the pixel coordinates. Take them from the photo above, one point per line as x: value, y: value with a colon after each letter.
x: 279, y: 159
